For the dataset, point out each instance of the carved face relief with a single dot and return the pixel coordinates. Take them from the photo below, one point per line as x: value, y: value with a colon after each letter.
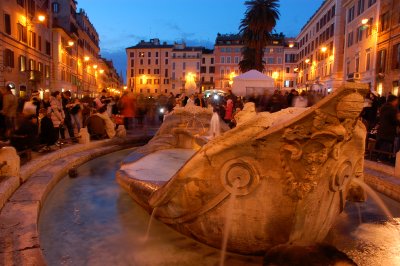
x: 314, y: 156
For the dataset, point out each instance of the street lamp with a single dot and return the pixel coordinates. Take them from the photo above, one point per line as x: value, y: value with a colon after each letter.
x: 307, y: 60
x: 41, y: 18
x: 364, y: 21
x: 324, y: 49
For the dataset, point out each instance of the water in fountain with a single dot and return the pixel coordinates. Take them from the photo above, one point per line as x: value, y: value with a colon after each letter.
x: 215, y: 127
x: 375, y: 197
x: 228, y: 219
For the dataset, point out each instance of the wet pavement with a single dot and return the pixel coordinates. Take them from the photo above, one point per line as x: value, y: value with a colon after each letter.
x: 90, y: 220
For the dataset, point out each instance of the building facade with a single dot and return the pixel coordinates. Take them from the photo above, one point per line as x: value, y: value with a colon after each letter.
x: 361, y: 18
x: 25, y: 46
x: 320, y: 55
x: 207, y: 70
x: 148, y: 67
x: 388, y: 48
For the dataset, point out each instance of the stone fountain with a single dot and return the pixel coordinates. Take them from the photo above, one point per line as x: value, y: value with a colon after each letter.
x: 290, y: 173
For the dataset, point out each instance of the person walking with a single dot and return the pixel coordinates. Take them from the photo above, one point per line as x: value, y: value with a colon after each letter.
x: 9, y: 110
x: 57, y: 114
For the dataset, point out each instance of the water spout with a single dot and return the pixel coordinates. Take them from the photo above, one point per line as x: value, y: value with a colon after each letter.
x: 228, y: 221
x: 375, y: 197
x: 152, y: 216
x: 215, y: 127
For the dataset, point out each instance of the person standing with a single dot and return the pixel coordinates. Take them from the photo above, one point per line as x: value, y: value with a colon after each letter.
x: 388, y: 124
x: 67, y: 105
x: 57, y: 113
x: 199, y: 101
x: 128, y: 106
x: 9, y: 110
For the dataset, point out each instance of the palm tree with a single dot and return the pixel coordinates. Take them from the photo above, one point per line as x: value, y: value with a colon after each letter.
x: 256, y: 26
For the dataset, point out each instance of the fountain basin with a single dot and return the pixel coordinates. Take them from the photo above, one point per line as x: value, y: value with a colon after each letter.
x: 294, y: 171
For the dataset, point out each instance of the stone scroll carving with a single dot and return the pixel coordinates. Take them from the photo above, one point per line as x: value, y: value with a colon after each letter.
x: 307, y: 147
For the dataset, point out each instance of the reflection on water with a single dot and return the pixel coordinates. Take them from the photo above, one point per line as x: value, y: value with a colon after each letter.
x: 90, y: 220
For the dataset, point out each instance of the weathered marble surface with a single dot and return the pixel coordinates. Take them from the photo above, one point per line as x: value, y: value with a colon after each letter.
x: 290, y: 179
x: 158, y: 166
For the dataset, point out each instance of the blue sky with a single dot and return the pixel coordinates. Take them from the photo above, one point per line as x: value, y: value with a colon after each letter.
x: 123, y: 23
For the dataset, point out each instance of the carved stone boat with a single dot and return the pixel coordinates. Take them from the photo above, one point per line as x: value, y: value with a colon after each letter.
x: 290, y: 173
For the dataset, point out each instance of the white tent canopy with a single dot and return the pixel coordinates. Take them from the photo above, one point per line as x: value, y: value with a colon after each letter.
x: 252, y: 82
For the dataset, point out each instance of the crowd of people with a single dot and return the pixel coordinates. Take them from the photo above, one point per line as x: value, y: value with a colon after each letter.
x: 45, y: 121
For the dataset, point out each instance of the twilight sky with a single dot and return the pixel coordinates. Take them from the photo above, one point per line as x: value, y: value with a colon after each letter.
x: 123, y: 23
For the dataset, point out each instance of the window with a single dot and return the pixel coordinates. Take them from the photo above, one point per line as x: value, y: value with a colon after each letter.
x: 141, y: 81
x: 48, y: 50
x: 141, y: 61
x: 141, y: 54
x: 141, y: 71
x: 148, y: 71
x: 236, y: 59
x: 7, y: 24
x: 228, y: 59
x: 166, y: 61
x: 8, y: 58
x: 156, y: 71
x: 32, y: 39
x: 47, y: 71
x: 357, y: 65
x: 368, y: 60
x: 288, y: 83
x: 56, y: 7
x: 173, y: 65
x: 166, y: 54
x: 149, y: 61
x: 288, y: 70
x: 198, y: 65
x: 212, y: 61
x: 149, y: 54
x: 211, y: 69
x: 156, y: 81
x: 211, y: 79
x: 360, y: 7
x: 156, y: 62
x: 270, y: 60
x: 156, y: 54
x: 40, y: 43
x: 22, y: 63
x: 132, y: 73
x: 21, y: 33
x: 203, y: 69
x: 396, y: 56
x: 166, y: 81
x: 32, y: 64
x: 132, y: 54
x: 222, y: 60
x: 371, y: 2
x: 132, y: 62
x: 279, y: 60
x: 184, y: 65
x: 350, y: 14
x: 350, y: 39
x: 203, y: 60
x: 359, y: 34
x: 385, y: 20
x: 381, y: 62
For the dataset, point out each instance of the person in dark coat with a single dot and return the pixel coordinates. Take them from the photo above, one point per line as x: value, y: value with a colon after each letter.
x: 47, y: 134
x: 387, y: 125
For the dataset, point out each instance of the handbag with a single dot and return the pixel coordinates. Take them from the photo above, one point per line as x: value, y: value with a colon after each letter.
x: 119, y: 119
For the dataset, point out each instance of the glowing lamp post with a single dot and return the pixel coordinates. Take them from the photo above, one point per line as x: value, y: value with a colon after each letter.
x: 275, y: 76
